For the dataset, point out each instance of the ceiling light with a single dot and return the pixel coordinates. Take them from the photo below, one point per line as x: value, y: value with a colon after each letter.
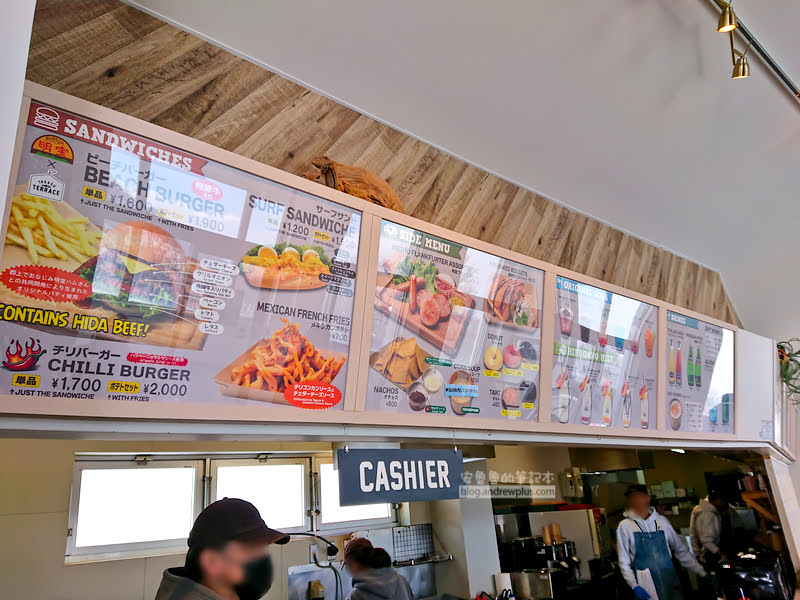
x: 727, y: 20
x: 741, y: 69
x: 678, y: 450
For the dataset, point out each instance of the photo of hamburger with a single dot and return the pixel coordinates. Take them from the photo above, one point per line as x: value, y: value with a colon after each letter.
x: 138, y: 272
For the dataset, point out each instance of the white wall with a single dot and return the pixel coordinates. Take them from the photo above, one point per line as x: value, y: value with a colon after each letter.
x: 541, y: 459
x: 15, y: 35
x: 794, y: 468
x: 755, y: 379
x: 466, y: 530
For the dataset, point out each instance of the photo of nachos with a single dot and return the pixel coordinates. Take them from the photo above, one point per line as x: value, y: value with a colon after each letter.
x: 402, y: 362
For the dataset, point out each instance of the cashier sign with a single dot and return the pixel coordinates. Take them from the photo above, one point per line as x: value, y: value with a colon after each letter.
x: 370, y: 476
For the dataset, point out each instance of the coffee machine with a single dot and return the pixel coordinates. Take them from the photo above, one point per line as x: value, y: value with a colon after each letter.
x: 542, y: 566
x: 550, y: 568
x: 532, y: 584
x: 585, y: 533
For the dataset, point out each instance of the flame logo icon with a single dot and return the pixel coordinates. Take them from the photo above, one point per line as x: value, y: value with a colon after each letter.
x: 19, y: 359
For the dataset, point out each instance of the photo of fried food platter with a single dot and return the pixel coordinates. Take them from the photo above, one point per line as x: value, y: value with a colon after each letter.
x: 271, y: 365
x: 425, y: 301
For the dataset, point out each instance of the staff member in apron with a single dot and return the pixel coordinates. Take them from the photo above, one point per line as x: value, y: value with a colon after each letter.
x: 646, y: 541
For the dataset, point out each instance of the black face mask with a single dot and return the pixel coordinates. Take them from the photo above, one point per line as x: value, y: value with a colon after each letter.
x: 257, y: 579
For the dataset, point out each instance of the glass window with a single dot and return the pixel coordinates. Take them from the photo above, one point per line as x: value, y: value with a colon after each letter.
x: 117, y: 505
x: 332, y: 512
x: 276, y: 490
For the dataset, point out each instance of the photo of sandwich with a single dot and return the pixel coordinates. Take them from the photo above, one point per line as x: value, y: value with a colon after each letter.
x: 512, y: 302
x: 286, y: 267
x: 140, y: 271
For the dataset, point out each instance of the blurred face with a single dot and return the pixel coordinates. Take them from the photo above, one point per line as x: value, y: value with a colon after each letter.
x: 639, y: 503
x: 353, y: 567
x: 227, y: 565
x: 720, y: 504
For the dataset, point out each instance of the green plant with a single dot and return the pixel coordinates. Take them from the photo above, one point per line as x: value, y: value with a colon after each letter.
x: 789, y: 358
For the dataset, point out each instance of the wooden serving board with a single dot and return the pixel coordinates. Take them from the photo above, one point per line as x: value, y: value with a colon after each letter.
x: 374, y: 356
x: 224, y: 379
x: 165, y: 330
x: 445, y: 334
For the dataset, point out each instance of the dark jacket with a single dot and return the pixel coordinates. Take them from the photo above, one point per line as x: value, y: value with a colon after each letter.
x: 380, y: 584
x: 174, y: 586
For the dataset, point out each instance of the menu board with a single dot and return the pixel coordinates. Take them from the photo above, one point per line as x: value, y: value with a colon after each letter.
x: 455, y: 330
x: 700, y: 376
x: 133, y: 271
x: 604, y: 358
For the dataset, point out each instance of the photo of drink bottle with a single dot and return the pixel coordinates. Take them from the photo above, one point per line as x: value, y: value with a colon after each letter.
x: 697, y: 369
x: 671, y: 363
x: 726, y: 408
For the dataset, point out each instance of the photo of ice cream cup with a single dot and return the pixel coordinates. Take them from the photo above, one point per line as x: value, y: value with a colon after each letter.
x: 675, y: 413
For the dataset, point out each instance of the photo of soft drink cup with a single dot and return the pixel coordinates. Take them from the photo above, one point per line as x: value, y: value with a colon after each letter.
x: 565, y: 315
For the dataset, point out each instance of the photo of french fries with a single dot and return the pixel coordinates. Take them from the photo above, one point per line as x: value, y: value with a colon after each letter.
x: 35, y: 225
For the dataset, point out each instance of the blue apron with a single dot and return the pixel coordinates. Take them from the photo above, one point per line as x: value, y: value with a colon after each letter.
x: 652, y: 552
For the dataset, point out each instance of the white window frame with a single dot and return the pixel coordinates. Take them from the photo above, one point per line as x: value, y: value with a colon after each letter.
x: 206, y: 466
x: 342, y: 527
x: 215, y: 463
x: 128, y: 550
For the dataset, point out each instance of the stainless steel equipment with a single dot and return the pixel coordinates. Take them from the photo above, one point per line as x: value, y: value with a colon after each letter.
x: 571, y: 483
x: 532, y: 584
x: 585, y: 529
x: 517, y: 554
x: 511, y: 526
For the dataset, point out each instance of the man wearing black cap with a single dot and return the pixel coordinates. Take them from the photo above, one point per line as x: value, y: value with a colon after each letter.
x: 228, y: 557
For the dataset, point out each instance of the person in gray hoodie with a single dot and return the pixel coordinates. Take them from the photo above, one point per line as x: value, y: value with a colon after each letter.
x: 228, y: 557
x: 374, y: 578
x: 705, y: 529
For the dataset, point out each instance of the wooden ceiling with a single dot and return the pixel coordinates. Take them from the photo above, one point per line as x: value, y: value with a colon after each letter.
x: 116, y: 56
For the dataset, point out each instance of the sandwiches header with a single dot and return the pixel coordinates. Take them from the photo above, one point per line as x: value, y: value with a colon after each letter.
x: 73, y: 126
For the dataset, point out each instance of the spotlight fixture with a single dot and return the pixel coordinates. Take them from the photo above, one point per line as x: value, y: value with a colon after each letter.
x: 678, y: 450
x: 727, y: 20
x: 740, y: 67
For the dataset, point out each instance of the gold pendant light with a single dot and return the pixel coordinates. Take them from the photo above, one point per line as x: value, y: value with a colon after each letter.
x: 729, y: 23
x: 727, y: 20
x: 741, y: 69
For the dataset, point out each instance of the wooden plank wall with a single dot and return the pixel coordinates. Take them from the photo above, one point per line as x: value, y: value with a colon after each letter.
x: 114, y: 55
